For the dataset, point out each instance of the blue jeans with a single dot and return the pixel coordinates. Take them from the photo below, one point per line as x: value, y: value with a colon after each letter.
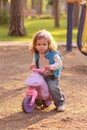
x: 53, y: 85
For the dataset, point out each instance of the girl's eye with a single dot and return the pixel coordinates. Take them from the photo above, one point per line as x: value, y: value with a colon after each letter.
x: 38, y: 44
x: 44, y: 44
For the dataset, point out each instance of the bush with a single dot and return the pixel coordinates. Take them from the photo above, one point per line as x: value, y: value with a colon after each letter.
x: 46, y: 16
x: 4, y: 18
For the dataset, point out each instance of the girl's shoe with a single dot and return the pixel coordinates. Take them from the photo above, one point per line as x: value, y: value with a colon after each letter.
x: 61, y: 108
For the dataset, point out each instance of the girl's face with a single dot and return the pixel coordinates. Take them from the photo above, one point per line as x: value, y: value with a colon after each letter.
x: 42, y: 45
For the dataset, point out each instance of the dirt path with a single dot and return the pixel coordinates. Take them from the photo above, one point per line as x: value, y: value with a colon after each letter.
x: 14, y: 62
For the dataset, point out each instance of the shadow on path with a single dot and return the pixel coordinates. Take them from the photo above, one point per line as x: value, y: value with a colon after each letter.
x: 22, y: 120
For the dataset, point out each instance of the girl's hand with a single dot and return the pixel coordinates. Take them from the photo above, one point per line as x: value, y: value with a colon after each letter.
x: 39, y: 70
x: 47, y: 67
x: 32, y: 66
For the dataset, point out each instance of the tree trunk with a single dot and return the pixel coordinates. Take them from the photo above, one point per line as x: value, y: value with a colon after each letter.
x: 75, y: 14
x: 33, y: 4
x: 56, y: 12
x: 17, y: 18
x: 37, y: 5
x: 1, y: 5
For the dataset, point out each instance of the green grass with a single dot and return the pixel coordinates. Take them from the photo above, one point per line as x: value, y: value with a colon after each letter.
x: 34, y: 25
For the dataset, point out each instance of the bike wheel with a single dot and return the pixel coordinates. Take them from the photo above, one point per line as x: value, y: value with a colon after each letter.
x: 25, y: 105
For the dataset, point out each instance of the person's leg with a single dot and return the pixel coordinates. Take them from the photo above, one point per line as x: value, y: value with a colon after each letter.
x: 53, y: 85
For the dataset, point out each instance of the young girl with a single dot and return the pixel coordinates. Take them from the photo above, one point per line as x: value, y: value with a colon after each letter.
x: 46, y: 56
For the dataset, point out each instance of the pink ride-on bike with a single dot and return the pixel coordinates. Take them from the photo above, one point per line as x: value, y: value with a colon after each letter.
x: 37, y: 92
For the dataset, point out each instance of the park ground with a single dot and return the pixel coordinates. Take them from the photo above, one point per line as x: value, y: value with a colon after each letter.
x: 14, y: 62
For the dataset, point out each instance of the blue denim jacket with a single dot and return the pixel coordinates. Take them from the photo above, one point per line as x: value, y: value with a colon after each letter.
x: 50, y: 56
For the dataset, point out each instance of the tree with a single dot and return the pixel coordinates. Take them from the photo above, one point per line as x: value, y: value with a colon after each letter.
x: 37, y: 6
x: 56, y: 12
x: 1, y: 5
x: 76, y: 14
x: 17, y: 18
x: 33, y: 4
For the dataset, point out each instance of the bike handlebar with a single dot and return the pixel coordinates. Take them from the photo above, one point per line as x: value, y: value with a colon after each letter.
x: 39, y: 70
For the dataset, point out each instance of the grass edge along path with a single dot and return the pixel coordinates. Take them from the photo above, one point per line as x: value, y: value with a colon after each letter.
x: 34, y: 25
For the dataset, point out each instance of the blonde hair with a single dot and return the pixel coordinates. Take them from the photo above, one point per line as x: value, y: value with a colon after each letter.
x: 40, y: 35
